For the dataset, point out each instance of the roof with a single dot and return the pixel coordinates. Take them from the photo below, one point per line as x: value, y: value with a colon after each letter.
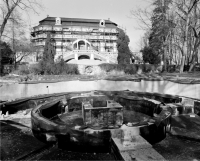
x: 75, y: 20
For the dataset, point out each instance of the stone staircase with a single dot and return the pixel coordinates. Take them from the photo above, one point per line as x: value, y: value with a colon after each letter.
x: 91, y: 53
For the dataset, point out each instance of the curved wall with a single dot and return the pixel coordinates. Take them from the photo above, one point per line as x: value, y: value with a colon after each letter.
x: 13, y: 91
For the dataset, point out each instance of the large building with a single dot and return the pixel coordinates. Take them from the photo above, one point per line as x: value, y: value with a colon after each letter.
x: 76, y: 38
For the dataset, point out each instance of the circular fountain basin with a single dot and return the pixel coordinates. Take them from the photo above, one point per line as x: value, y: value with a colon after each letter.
x: 62, y: 120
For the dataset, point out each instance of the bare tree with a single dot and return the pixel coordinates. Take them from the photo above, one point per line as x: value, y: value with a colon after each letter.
x: 185, y: 20
x: 181, y: 44
x: 196, y: 32
x: 7, y: 7
x: 143, y: 16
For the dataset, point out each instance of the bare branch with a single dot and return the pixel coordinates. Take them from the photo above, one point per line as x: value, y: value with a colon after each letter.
x: 193, y: 4
x: 180, y: 16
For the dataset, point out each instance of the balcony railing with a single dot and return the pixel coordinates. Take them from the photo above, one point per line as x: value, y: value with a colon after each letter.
x: 39, y: 43
x: 85, y: 37
x: 49, y: 28
x: 91, y: 37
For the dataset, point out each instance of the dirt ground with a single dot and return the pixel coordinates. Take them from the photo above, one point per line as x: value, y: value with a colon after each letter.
x: 178, y: 149
x: 15, y: 141
x: 10, y: 79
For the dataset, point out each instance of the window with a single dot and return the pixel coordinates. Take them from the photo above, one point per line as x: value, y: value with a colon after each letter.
x: 102, y: 23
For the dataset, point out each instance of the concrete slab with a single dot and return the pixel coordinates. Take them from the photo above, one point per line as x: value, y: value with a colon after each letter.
x: 142, y: 155
x: 135, y: 143
x: 128, y: 145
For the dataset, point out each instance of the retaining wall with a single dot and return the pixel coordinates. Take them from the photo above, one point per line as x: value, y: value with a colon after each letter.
x: 14, y: 91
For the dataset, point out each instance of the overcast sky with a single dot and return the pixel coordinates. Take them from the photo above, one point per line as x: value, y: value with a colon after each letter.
x: 117, y: 10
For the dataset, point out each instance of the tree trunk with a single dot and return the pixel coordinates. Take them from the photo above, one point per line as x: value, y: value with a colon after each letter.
x: 194, y: 58
x: 15, y: 61
x: 195, y: 55
x: 1, y: 65
x: 182, y: 64
x: 185, y: 47
x: 195, y: 50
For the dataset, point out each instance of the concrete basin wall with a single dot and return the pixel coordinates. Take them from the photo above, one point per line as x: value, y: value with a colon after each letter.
x: 13, y: 91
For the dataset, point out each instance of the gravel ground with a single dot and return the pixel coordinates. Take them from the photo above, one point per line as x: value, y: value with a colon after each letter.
x: 177, y: 149
x: 186, y: 126
x: 67, y: 155
x: 10, y: 79
x: 15, y: 142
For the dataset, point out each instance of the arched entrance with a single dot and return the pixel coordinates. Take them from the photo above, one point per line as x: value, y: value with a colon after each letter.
x: 83, y: 57
x: 81, y: 44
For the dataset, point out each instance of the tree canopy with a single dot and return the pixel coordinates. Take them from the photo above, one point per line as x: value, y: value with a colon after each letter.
x: 47, y: 61
x: 150, y: 56
x: 124, y: 53
x: 7, y: 53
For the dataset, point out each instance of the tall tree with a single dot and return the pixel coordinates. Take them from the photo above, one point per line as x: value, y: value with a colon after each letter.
x: 124, y: 54
x: 160, y: 29
x: 185, y: 10
x: 196, y: 32
x: 47, y: 62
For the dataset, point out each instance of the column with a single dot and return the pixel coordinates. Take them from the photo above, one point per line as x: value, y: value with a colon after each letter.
x: 85, y: 45
x: 92, y: 56
x: 107, y: 60
x: 76, y: 56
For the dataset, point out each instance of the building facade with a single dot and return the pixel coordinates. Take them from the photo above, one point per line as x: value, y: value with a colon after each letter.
x: 78, y: 38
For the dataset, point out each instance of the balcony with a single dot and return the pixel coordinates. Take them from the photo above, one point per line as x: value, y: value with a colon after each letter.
x: 84, y: 37
x: 39, y: 43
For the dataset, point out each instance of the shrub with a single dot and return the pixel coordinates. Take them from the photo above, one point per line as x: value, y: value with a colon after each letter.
x: 35, y: 69
x: 130, y: 69
x: 71, y: 69
x: 120, y: 67
x: 146, y: 68
x: 107, y: 67
x: 116, y: 72
x: 59, y: 68
x: 23, y: 70
x: 149, y: 68
x: 62, y: 68
x: 125, y: 68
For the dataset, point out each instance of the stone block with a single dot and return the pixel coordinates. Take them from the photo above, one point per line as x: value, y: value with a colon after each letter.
x: 177, y: 108
x: 197, y: 107
x: 187, y: 101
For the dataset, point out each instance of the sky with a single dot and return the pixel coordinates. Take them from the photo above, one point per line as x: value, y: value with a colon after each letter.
x: 117, y: 11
